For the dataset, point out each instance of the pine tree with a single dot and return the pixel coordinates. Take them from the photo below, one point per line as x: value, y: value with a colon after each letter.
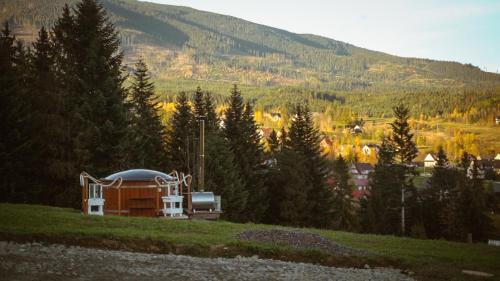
x: 199, y: 103
x: 89, y: 74
x: 62, y: 41
x: 46, y: 102
x: 223, y: 179
x: 384, y: 202
x: 15, y: 146
x: 273, y: 142
x: 258, y: 200
x: 98, y: 60
x: 283, y: 139
x: 465, y: 160
x: 474, y: 214
x: 147, y: 133
x: 405, y: 150
x: 304, y: 139
x: 211, y: 118
x: 344, y: 211
x: 437, y: 197
x: 288, y: 191
x: 241, y: 132
x: 453, y: 228
x: 401, y: 138
x: 180, y: 138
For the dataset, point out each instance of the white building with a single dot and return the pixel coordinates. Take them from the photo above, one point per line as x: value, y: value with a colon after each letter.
x: 368, y: 149
x: 430, y: 161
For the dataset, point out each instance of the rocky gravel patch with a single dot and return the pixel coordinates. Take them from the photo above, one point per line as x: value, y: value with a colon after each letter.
x: 300, y: 240
x: 34, y: 261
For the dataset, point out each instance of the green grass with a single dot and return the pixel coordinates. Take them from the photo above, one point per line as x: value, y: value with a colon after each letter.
x: 431, y: 260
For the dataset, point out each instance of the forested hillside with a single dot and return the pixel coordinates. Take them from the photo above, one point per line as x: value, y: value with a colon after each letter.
x: 179, y: 42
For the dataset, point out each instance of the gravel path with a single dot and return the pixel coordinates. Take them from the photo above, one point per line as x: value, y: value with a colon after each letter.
x: 301, y: 240
x: 33, y: 261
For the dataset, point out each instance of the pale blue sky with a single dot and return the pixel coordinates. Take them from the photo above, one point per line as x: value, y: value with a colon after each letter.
x: 467, y: 31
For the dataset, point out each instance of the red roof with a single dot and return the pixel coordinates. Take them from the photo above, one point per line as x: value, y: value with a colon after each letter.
x: 357, y: 194
x: 361, y: 182
x: 330, y: 181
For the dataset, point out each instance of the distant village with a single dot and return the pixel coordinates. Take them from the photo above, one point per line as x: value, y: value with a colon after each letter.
x: 364, y: 157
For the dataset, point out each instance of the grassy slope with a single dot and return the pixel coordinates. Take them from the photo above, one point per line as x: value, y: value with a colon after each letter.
x: 431, y: 260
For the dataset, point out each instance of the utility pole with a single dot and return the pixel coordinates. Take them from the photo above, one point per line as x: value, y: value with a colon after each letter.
x: 201, y: 173
x: 403, y: 211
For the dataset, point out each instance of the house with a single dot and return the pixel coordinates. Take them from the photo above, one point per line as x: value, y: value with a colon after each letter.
x: 275, y: 116
x: 368, y: 149
x: 497, y: 157
x: 361, y: 189
x: 481, y: 170
x: 430, y: 160
x: 497, y: 120
x: 359, y: 176
x: 489, y: 165
x: 356, y: 129
x: 360, y: 170
x: 146, y: 193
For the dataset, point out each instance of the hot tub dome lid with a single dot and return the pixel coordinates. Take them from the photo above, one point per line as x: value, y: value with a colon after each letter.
x: 138, y: 175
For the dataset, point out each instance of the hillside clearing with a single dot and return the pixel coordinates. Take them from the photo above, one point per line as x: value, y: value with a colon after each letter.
x: 430, y: 260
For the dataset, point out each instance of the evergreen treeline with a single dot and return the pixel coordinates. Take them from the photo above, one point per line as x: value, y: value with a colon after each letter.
x: 65, y: 109
x: 451, y: 207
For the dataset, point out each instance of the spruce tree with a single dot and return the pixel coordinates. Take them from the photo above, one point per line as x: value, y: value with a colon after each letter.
x: 304, y: 140
x: 98, y: 60
x: 223, y: 179
x: 288, y: 193
x: 211, y: 118
x: 384, y: 202
x: 258, y: 201
x: 62, y: 40
x: 283, y: 139
x: 15, y: 146
x: 89, y: 74
x: 220, y: 175
x: 344, y: 211
x: 401, y: 138
x: 473, y: 210
x: 47, y: 103
x: 199, y: 103
x: 147, y: 133
x: 437, y: 196
x: 241, y: 132
x: 8, y: 118
x: 273, y: 142
x: 405, y: 150
x: 179, y: 137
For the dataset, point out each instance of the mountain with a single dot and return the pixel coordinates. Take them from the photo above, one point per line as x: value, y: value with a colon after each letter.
x: 184, y: 43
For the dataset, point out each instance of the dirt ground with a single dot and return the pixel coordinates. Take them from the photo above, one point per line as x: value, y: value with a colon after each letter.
x: 34, y: 261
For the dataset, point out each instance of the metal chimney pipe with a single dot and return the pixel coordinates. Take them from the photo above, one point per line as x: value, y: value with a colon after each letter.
x: 201, y: 174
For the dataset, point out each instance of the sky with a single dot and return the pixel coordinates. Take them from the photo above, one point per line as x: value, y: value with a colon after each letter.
x: 467, y: 31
